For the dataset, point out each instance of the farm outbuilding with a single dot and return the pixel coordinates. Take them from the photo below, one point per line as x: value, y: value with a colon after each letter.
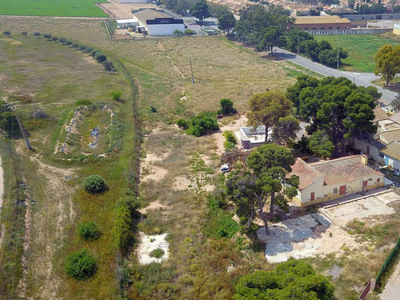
x: 156, y: 22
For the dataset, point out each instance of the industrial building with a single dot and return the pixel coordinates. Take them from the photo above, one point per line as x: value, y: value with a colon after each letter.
x: 155, y: 22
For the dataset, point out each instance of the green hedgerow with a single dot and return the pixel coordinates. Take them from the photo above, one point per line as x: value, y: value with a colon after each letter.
x: 88, y: 230
x: 94, y: 184
x: 80, y: 264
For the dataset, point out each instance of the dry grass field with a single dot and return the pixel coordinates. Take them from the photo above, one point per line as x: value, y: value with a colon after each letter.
x: 56, y: 76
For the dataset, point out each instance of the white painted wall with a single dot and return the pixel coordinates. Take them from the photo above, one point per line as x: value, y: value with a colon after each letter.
x: 164, y: 29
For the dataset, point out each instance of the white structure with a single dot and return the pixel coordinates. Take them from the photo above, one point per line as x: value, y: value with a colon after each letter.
x: 156, y: 22
x: 250, y: 137
x: 126, y: 23
x: 327, y: 180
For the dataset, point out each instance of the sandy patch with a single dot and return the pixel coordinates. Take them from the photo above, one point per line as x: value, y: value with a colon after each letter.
x: 181, y: 183
x: 153, y: 206
x: 148, y: 243
x: 234, y: 127
x: 151, y: 170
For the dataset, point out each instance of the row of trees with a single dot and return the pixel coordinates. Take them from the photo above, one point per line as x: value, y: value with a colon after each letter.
x: 98, y: 55
x: 265, y: 28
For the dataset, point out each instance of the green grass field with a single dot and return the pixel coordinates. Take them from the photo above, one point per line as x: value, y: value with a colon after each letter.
x: 361, y: 48
x: 59, y: 8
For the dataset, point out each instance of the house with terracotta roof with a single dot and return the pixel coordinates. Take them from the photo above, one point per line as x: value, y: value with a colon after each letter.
x: 327, y: 180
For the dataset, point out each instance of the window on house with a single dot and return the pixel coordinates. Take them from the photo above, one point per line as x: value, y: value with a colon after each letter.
x: 378, y: 180
x: 314, y: 28
x: 322, y: 28
x: 335, y: 191
x: 305, y: 28
x: 338, y: 27
x: 330, y: 27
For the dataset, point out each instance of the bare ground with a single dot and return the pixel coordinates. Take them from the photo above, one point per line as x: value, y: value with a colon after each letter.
x: 46, y: 219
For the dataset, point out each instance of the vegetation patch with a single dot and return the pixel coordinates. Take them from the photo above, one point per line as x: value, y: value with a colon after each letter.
x: 360, y: 47
x: 88, y: 230
x: 157, y: 253
x: 59, y: 8
x: 94, y: 184
x: 80, y: 264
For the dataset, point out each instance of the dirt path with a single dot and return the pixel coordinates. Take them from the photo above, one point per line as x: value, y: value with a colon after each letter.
x: 49, y: 212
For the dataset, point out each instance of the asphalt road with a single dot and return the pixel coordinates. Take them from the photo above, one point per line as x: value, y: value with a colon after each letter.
x: 363, y: 79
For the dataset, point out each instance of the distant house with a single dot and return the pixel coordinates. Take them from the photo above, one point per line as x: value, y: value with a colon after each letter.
x: 381, y: 146
x: 327, y: 180
x: 156, y: 22
x: 323, y: 24
x: 250, y: 137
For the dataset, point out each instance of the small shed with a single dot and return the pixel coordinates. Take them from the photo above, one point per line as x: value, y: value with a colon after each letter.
x: 127, y: 23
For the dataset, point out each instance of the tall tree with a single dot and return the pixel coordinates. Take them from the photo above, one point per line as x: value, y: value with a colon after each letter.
x: 387, y: 62
x: 226, y: 22
x: 267, y: 180
x: 267, y: 108
x: 337, y: 111
x: 285, y: 131
x: 396, y: 103
x: 270, y: 37
x: 200, y: 10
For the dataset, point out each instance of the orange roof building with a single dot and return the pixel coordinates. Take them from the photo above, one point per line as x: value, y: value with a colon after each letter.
x: 331, y: 179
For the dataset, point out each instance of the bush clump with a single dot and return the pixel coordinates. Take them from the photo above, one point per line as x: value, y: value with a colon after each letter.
x: 157, y: 253
x: 202, y: 124
x: 94, y: 184
x: 83, y: 102
x: 88, y: 230
x: 80, y: 264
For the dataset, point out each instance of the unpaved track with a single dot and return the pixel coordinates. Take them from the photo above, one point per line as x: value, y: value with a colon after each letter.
x: 45, y: 223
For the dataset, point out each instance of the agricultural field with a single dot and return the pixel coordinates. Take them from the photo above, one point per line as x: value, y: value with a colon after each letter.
x: 361, y: 48
x: 56, y: 8
x: 179, y: 174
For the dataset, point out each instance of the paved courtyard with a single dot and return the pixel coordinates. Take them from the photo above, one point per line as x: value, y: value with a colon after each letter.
x: 322, y: 233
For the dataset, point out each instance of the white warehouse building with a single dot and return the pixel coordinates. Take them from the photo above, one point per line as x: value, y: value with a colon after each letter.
x: 156, y: 22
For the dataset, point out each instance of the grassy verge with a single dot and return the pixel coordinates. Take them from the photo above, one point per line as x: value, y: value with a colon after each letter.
x: 361, y: 48
x: 12, y: 221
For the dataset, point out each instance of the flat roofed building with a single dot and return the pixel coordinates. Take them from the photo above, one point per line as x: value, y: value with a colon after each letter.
x: 318, y: 23
x: 156, y: 22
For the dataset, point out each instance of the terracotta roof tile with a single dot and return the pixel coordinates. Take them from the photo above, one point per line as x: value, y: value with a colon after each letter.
x: 307, y: 174
x: 342, y: 169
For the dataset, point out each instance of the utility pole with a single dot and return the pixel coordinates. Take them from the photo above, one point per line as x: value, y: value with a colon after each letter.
x: 191, y: 69
x: 338, y: 57
x: 21, y: 128
x: 298, y: 42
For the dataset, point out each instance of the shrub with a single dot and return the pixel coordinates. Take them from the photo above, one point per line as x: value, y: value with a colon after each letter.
x: 123, y: 228
x: 203, y: 123
x: 88, y: 230
x: 116, y: 95
x: 182, y: 123
x: 190, y: 32
x: 100, y: 57
x: 83, y: 102
x: 108, y: 66
x: 94, y: 184
x: 94, y: 52
x: 37, y: 34
x: 80, y: 264
x: 157, y: 253
x: 153, y: 109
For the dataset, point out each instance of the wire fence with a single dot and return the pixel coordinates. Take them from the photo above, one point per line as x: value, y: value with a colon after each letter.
x: 388, y: 261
